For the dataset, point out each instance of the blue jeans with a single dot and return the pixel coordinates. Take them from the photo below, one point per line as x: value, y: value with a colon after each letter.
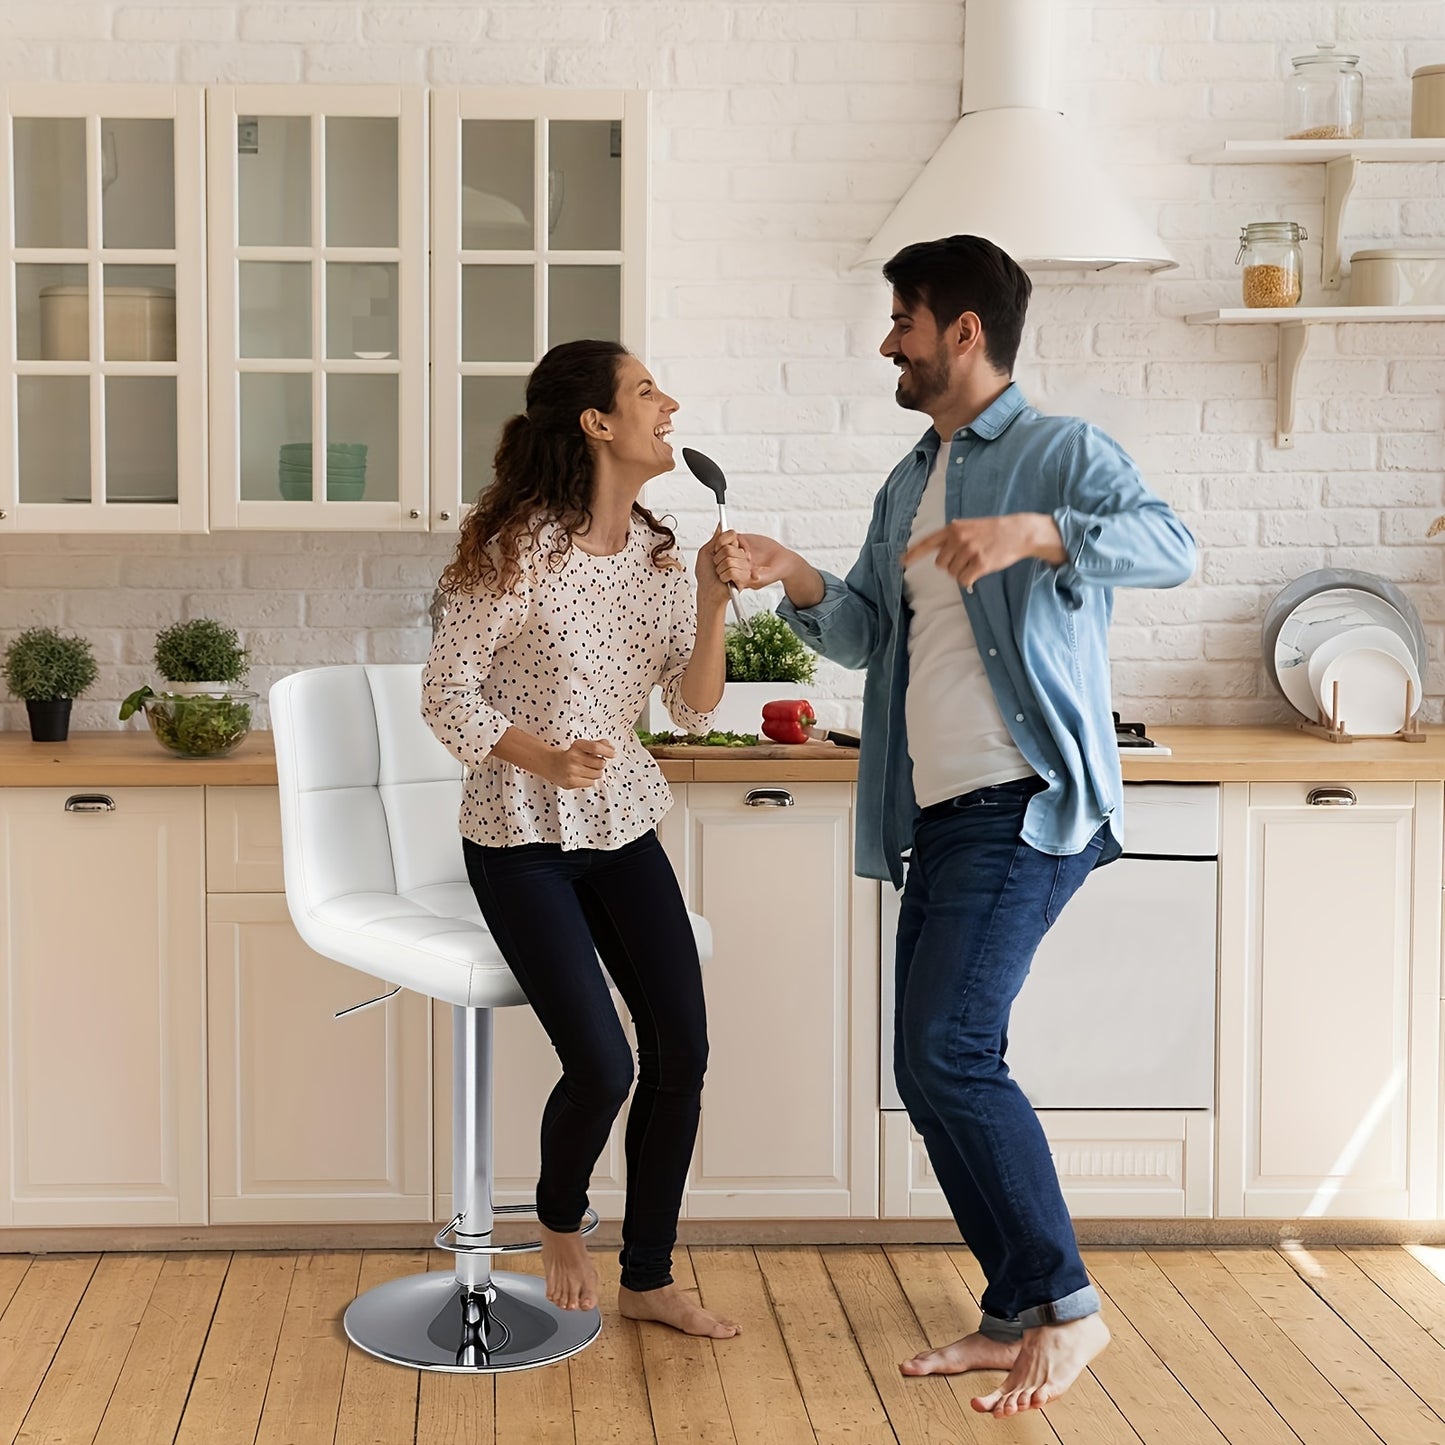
x: 977, y: 903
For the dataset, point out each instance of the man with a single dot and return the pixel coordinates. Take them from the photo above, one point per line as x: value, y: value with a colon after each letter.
x: 980, y: 606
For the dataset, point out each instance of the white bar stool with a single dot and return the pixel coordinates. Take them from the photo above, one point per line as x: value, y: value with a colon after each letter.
x: 375, y: 880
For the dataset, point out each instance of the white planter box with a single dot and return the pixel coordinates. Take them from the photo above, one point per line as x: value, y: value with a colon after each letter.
x: 741, y: 709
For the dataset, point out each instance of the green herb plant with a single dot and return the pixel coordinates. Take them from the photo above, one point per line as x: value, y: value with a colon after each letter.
x: 774, y: 653
x: 42, y: 665
x: 201, y: 650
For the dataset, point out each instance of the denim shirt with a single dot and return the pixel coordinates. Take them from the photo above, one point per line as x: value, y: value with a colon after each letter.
x: 1042, y: 630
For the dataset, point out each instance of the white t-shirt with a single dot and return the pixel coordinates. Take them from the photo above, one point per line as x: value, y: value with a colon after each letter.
x: 570, y: 654
x: 956, y: 733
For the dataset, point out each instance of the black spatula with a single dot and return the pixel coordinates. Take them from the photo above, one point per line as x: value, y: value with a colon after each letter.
x: 711, y: 476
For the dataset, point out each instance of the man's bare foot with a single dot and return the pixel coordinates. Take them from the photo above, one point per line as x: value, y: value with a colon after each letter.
x: 571, y: 1277
x: 973, y: 1352
x: 1051, y: 1358
x: 669, y: 1306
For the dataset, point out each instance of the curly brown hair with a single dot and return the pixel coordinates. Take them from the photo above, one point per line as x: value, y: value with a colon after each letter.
x: 543, y: 474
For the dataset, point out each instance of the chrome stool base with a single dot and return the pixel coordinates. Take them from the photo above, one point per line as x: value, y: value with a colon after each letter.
x: 428, y: 1322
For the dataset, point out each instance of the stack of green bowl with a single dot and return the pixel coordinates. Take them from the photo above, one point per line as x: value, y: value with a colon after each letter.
x: 345, y: 471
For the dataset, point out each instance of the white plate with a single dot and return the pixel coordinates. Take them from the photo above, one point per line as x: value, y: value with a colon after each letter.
x: 1382, y: 639
x: 1372, y: 690
x: 1324, y: 615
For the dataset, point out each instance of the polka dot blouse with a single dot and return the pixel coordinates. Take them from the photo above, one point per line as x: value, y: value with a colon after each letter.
x: 569, y: 654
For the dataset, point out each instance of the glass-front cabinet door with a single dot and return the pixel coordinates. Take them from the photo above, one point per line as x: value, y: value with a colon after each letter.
x: 318, y: 278
x: 539, y: 226
x: 102, y: 393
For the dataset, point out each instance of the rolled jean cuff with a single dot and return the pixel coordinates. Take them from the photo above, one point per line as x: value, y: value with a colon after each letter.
x: 1074, y: 1306
x: 1006, y: 1332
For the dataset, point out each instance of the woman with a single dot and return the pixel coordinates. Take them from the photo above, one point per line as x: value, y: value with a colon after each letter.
x: 567, y: 604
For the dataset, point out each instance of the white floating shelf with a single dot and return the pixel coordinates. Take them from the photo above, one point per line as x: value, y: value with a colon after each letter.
x: 1305, y: 315
x: 1289, y: 152
x: 1341, y: 160
x: 1294, y: 324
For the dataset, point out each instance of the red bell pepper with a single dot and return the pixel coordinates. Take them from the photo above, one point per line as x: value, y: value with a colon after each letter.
x: 789, y: 722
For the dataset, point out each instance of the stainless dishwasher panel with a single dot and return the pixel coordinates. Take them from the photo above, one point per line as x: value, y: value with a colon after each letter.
x: 1118, y: 1009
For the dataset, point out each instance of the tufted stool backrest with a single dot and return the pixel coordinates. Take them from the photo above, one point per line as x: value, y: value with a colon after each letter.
x: 376, y: 795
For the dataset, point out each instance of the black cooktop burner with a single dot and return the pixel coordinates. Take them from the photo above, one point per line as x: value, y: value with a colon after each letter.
x: 1132, y: 735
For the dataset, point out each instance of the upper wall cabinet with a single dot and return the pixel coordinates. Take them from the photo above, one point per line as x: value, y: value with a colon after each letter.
x: 318, y: 262
x: 295, y: 220
x: 102, y: 401
x: 539, y: 222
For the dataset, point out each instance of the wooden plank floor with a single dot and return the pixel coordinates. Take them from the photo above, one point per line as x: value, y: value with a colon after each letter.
x: 1245, y: 1346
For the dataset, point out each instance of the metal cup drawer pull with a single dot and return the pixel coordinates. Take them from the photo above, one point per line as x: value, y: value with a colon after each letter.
x: 1331, y: 798
x: 89, y: 803
x: 768, y: 798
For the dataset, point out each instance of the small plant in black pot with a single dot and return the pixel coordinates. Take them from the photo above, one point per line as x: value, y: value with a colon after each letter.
x: 204, y: 711
x: 48, y: 671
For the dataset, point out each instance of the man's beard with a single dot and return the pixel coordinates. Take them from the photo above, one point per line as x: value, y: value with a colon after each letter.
x: 921, y: 383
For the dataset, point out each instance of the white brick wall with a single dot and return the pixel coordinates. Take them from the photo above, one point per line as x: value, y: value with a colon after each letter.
x: 783, y: 133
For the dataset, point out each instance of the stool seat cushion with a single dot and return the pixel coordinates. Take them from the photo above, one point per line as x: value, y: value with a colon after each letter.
x: 372, y: 857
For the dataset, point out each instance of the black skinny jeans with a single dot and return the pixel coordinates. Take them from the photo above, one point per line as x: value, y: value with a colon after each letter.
x: 552, y: 913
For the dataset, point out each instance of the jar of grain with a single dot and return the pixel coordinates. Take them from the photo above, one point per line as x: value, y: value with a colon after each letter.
x: 1325, y: 98
x: 1273, y: 266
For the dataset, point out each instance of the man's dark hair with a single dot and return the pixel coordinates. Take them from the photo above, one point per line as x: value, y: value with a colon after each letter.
x: 966, y: 273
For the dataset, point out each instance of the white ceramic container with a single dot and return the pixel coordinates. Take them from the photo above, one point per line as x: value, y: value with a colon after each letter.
x: 1414, y: 277
x: 140, y: 323
x: 1427, y: 101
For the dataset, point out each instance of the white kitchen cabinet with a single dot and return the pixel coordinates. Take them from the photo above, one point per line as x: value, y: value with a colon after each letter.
x: 1329, y: 1026
x: 539, y: 220
x: 789, y: 1113
x: 1112, y: 1164
x: 102, y: 306
x: 102, y: 1007
x: 312, y: 1118
x: 318, y: 285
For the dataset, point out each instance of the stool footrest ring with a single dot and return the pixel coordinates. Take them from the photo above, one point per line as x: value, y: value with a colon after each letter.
x: 530, y: 1246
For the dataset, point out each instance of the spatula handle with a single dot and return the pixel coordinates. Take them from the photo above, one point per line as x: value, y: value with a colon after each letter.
x: 739, y: 616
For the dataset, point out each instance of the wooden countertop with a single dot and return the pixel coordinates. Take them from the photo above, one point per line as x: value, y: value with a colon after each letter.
x: 130, y: 758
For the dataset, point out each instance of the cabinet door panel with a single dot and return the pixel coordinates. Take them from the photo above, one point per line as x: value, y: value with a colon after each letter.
x: 103, y: 390
x: 775, y: 885
x: 312, y: 1117
x: 1318, y: 1033
x: 243, y: 841
x: 102, y: 1092
x: 539, y: 235
x: 318, y: 252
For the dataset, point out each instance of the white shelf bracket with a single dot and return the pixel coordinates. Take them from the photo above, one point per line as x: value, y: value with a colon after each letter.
x: 1293, y: 339
x: 1340, y: 175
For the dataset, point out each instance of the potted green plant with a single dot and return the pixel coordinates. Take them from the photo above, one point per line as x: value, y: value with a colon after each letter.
x: 48, y: 671
x: 204, y: 712
x: 766, y: 667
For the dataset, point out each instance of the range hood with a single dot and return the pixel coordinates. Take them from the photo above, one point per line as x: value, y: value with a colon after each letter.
x: 1013, y: 169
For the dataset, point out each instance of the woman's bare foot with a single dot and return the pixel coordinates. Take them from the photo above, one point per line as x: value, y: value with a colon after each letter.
x: 1051, y: 1358
x: 571, y: 1277
x: 973, y: 1352
x: 669, y: 1306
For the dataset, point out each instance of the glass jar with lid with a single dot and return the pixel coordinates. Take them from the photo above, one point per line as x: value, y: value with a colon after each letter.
x: 1325, y: 98
x: 1273, y: 264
